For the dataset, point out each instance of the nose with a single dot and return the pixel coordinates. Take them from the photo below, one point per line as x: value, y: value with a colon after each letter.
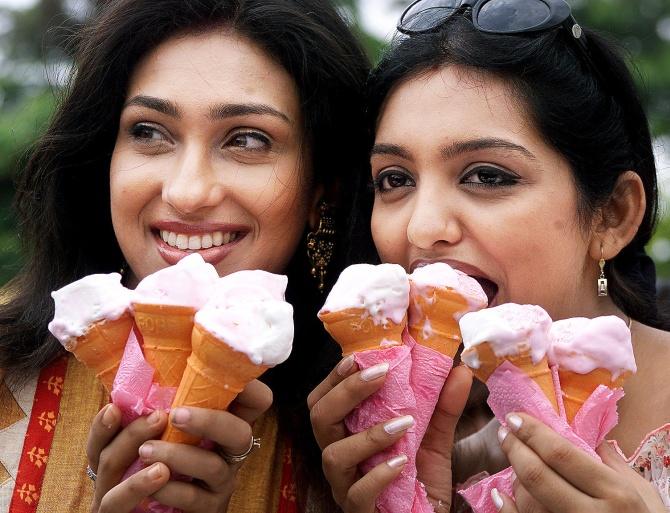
x: 434, y: 220
x: 192, y: 183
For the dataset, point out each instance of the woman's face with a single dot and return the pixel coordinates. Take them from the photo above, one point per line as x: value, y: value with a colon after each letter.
x: 209, y: 158
x: 462, y: 176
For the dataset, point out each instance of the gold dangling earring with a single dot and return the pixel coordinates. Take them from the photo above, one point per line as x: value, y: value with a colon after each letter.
x: 320, y: 244
x: 602, y: 281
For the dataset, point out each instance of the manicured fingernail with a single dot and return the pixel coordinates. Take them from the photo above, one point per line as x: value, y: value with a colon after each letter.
x: 108, y: 417
x: 345, y: 365
x: 145, y: 451
x: 497, y: 499
x: 502, y: 433
x: 180, y: 416
x: 374, y: 372
x: 400, y: 424
x: 514, y: 422
x: 154, y: 417
x: 397, y: 461
x: 154, y: 471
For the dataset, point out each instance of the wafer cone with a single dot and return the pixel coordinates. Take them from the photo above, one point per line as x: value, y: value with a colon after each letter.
x: 166, y: 333
x: 355, y: 330
x: 576, y: 388
x: 215, y: 373
x: 539, y: 373
x: 102, y: 346
x: 432, y: 319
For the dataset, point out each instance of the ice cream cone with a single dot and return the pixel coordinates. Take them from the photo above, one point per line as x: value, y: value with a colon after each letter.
x: 215, y: 373
x: 488, y: 362
x: 166, y: 332
x: 102, y: 346
x: 355, y: 330
x: 576, y: 388
x: 432, y: 319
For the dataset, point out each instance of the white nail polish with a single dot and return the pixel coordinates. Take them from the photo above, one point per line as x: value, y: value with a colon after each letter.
x: 400, y: 424
x: 398, y: 461
x: 345, y: 365
x: 374, y: 372
x: 497, y: 499
x: 502, y: 433
x: 514, y: 422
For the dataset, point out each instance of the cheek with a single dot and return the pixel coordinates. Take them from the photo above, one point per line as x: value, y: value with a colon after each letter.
x: 388, y: 234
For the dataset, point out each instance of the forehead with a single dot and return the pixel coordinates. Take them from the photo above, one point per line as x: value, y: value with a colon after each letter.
x: 457, y: 102
x: 216, y: 66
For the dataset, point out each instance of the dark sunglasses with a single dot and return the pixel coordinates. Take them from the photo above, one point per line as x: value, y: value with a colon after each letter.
x: 498, y: 17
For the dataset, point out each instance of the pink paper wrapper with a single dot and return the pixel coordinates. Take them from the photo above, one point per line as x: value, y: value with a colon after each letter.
x: 427, y: 376
x: 510, y: 390
x: 395, y: 398
x: 136, y: 395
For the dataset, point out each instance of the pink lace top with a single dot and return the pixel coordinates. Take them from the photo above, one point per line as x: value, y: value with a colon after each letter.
x: 652, y: 461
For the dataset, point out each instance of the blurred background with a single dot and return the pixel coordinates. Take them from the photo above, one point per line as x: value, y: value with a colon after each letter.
x: 34, y: 65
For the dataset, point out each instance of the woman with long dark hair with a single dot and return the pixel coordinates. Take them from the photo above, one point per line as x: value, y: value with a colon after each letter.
x: 224, y: 127
x: 511, y: 143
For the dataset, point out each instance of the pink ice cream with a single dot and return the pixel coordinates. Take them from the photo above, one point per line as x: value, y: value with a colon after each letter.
x: 250, y: 284
x: 441, y: 275
x: 251, y: 316
x: 509, y: 329
x: 187, y: 283
x: 85, y: 302
x: 582, y: 345
x: 381, y: 290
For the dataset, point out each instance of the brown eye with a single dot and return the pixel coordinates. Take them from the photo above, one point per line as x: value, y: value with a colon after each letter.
x: 146, y: 132
x: 390, y: 180
x: 253, y: 141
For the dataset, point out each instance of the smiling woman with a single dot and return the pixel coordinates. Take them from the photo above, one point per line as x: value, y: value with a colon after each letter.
x: 227, y: 128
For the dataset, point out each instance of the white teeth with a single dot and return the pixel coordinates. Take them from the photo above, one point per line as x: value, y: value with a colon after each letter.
x: 195, y: 242
x: 206, y: 241
x: 182, y: 241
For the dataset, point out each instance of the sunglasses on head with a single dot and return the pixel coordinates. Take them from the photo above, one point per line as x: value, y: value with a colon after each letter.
x: 497, y: 17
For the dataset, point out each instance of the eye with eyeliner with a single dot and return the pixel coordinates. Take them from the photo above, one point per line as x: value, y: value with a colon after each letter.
x: 488, y: 176
x: 391, y: 179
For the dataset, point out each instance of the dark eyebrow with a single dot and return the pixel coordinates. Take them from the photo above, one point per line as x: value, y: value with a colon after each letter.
x: 390, y: 149
x: 157, y: 104
x: 230, y: 110
x: 461, y: 147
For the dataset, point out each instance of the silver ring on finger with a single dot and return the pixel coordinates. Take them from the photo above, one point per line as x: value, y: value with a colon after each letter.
x: 233, y: 459
x: 91, y: 475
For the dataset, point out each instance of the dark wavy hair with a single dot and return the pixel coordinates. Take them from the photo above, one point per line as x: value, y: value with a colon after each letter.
x: 596, y: 122
x: 62, y: 198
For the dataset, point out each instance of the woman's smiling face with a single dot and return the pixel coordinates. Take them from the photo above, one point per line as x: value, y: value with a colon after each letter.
x: 462, y: 176
x: 209, y: 158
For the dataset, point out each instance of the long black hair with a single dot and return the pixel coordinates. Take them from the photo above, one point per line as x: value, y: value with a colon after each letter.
x: 595, y: 120
x: 62, y: 198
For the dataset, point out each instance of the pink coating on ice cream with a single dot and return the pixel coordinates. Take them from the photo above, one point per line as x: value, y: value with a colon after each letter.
x: 508, y: 329
x: 260, y: 328
x: 85, y: 302
x: 382, y: 290
x: 187, y: 283
x: 582, y: 345
x: 442, y: 275
x: 252, y: 284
